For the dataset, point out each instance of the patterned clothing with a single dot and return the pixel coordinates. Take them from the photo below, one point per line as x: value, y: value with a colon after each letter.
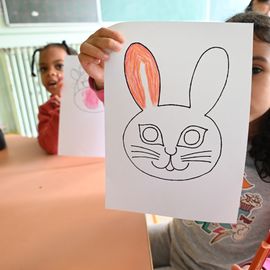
x: 216, y: 246
x: 197, y: 245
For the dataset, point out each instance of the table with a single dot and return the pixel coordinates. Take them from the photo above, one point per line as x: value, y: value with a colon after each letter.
x: 52, y: 215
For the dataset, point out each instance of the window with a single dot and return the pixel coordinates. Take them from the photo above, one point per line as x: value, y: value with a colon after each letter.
x: 25, y: 12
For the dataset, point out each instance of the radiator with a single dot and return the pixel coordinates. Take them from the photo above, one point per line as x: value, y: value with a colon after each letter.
x: 27, y: 92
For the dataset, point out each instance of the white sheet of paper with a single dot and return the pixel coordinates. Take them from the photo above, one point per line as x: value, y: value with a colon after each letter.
x: 179, y: 152
x: 81, y: 131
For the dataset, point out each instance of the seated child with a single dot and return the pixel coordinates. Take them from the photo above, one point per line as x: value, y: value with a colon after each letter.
x: 260, y: 6
x: 185, y: 245
x: 51, y: 63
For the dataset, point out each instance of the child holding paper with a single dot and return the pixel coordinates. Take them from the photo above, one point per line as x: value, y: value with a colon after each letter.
x: 51, y: 63
x: 184, y: 244
x: 260, y: 6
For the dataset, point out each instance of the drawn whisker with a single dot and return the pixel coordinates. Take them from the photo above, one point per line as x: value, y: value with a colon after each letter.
x: 196, y: 160
x: 145, y: 149
x: 145, y: 157
x: 200, y: 152
x: 144, y: 152
x: 195, y: 157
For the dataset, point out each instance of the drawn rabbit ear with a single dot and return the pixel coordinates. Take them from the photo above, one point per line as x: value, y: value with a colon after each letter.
x: 139, y: 62
x: 209, y: 79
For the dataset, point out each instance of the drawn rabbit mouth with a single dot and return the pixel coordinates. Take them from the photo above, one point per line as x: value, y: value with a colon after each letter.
x: 169, y: 166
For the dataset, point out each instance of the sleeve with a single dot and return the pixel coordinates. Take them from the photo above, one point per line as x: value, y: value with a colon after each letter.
x: 99, y: 93
x: 48, y: 125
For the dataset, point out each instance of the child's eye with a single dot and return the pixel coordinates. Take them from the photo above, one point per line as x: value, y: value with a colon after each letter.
x: 59, y: 66
x: 256, y: 70
x: 42, y: 69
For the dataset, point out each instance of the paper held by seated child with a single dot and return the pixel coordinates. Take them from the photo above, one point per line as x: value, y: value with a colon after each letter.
x: 177, y: 113
x: 81, y: 130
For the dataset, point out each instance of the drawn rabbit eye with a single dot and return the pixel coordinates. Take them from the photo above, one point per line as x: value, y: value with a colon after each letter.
x: 192, y: 137
x: 150, y: 134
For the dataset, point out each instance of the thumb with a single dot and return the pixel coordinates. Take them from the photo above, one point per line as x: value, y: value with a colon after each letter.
x: 236, y: 267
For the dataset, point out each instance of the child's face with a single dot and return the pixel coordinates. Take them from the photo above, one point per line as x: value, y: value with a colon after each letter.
x: 51, y: 63
x: 260, y: 96
x: 261, y: 7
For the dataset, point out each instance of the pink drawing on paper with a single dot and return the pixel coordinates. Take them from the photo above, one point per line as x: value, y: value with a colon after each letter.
x: 85, y: 99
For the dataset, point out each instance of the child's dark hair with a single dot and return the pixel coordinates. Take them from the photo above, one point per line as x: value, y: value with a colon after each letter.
x: 250, y: 5
x: 260, y: 144
x: 63, y: 45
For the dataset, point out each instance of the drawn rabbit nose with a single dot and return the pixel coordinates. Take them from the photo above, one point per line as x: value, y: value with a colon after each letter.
x: 170, y: 152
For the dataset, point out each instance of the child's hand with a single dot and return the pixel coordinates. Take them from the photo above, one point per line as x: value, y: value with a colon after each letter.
x: 55, y: 101
x: 237, y: 267
x: 96, y: 49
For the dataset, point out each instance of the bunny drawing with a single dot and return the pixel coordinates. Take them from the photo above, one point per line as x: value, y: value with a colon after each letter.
x: 84, y: 98
x: 187, y: 143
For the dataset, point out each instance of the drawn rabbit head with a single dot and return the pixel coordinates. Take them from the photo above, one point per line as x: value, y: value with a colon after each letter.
x: 84, y: 98
x: 174, y: 142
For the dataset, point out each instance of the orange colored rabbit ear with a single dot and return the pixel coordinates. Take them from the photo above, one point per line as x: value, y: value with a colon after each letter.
x: 136, y: 56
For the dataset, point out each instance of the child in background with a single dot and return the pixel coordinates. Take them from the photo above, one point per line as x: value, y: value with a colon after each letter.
x: 260, y: 6
x: 51, y: 63
x: 186, y: 245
